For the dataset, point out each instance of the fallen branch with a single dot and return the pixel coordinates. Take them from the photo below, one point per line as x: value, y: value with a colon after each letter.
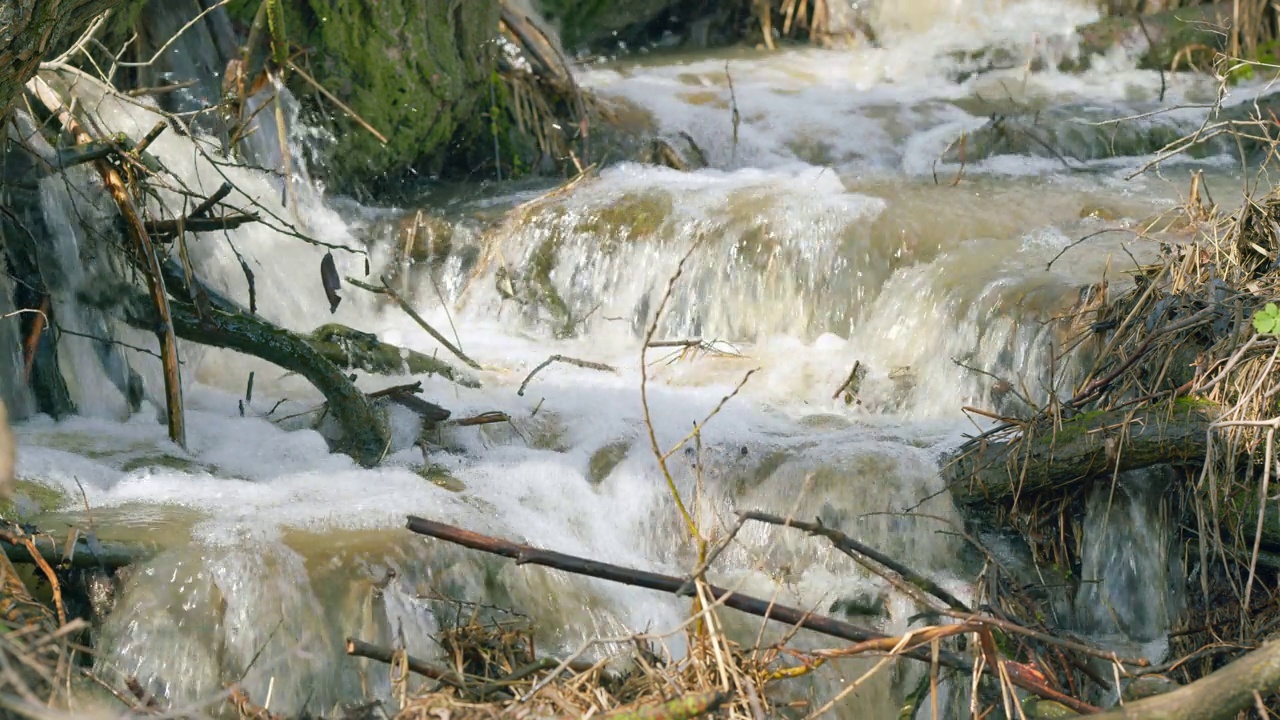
x: 853, y: 548
x: 386, y: 289
x: 352, y: 349
x: 488, y: 418
x: 166, y: 230
x: 1081, y: 447
x: 145, y: 256
x: 359, y: 648
x: 160, y: 89
x: 853, y: 383
x: 586, y: 364
x: 208, y: 203
x: 108, y: 555
x: 365, y: 436
x: 524, y: 554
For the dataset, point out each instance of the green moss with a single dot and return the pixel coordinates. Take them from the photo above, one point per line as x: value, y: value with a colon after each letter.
x: 859, y: 607
x: 31, y: 498
x: 418, y: 72
x: 633, y: 216
x: 591, y: 22
x: 604, y: 460
x: 163, y: 460
x: 541, y: 289
x: 352, y: 349
x: 441, y: 477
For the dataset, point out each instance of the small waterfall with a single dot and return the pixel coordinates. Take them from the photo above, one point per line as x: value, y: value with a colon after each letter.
x: 96, y: 370
x: 1132, y: 587
x: 823, y: 239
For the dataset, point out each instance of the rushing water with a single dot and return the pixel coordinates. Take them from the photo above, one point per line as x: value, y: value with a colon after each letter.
x: 823, y: 234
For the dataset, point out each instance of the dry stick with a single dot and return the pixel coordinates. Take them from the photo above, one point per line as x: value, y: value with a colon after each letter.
x: 523, y: 554
x: 692, y: 342
x: 50, y: 576
x: 644, y: 393
x: 386, y: 289
x: 204, y: 207
x: 160, y: 89
x: 191, y: 23
x: 487, y: 418
x: 146, y: 255
x: 853, y: 374
x: 852, y: 547
x: 359, y: 648
x: 1101, y: 384
x: 168, y: 228
x: 587, y: 364
x: 149, y: 138
x: 341, y: 105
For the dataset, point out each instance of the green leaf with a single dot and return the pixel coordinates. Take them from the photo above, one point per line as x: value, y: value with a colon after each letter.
x: 1267, y: 320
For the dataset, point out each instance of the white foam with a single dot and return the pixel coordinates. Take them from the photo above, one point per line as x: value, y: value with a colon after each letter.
x: 803, y: 270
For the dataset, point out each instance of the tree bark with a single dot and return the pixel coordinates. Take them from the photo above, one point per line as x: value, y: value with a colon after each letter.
x: 365, y: 436
x: 31, y: 28
x: 1097, y: 443
x: 1215, y: 697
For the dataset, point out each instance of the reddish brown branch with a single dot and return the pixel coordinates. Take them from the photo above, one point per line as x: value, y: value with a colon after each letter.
x: 524, y: 554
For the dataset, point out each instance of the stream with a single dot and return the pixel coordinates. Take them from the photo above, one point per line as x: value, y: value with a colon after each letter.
x: 823, y: 233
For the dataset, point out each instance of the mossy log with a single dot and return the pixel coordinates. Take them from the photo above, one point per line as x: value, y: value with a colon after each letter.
x: 352, y: 349
x: 1088, y: 445
x: 365, y: 436
x: 108, y: 555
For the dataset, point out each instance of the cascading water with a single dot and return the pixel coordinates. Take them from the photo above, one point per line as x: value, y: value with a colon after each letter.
x: 820, y: 238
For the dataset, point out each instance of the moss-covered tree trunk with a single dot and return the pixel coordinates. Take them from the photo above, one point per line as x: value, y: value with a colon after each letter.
x: 1089, y: 445
x: 420, y: 73
x: 31, y: 28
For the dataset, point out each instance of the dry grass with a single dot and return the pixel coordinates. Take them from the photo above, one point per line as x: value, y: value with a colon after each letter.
x: 507, y: 680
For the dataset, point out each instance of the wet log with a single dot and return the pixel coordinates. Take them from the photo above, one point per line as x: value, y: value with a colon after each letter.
x: 352, y: 349
x: 546, y: 60
x: 1217, y: 696
x: 1088, y: 445
x: 365, y: 436
x: 166, y: 230
x: 107, y: 555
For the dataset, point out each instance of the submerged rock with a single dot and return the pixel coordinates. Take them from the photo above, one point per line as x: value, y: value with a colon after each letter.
x: 677, y: 151
x: 1189, y: 35
x: 1074, y: 133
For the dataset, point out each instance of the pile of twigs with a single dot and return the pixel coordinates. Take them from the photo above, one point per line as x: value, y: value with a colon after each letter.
x: 1178, y: 369
x: 494, y: 672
